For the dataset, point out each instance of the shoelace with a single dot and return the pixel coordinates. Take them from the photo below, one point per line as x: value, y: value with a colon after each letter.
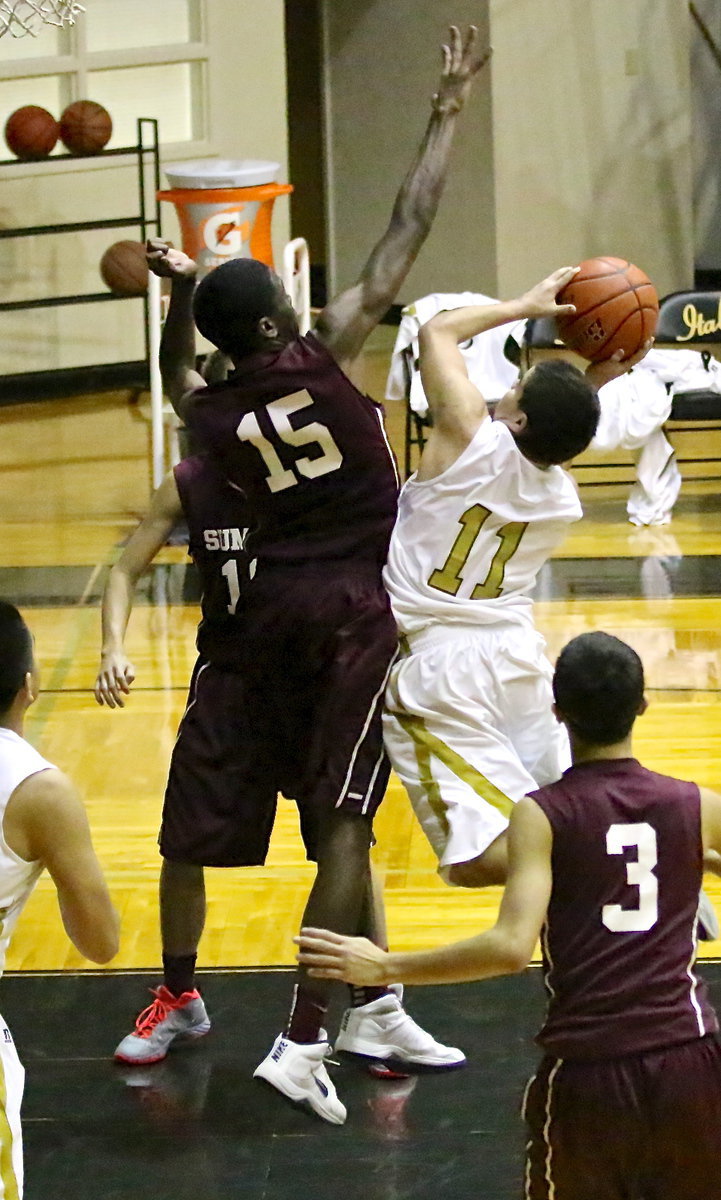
x: 152, y: 1016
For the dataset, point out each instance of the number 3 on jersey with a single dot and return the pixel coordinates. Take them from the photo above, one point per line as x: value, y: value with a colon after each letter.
x: 642, y: 837
x: 314, y: 434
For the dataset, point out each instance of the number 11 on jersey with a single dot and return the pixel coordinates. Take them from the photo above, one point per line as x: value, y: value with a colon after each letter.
x: 449, y: 577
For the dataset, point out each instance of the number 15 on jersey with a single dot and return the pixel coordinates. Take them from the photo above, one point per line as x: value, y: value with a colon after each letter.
x: 314, y: 434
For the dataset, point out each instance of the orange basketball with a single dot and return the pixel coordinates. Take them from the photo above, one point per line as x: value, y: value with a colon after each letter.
x: 31, y: 132
x: 85, y: 127
x: 124, y: 268
x: 616, y: 309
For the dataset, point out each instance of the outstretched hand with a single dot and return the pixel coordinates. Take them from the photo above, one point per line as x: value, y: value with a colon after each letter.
x: 329, y: 955
x: 540, y: 301
x: 608, y: 369
x: 115, y: 676
x: 167, y: 262
x: 462, y: 61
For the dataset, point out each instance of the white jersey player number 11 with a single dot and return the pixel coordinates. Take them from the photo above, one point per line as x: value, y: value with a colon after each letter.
x: 449, y: 577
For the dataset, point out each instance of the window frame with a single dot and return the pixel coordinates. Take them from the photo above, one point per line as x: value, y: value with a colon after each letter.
x: 77, y: 63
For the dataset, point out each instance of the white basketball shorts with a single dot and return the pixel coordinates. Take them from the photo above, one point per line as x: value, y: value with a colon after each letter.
x: 469, y: 730
x: 12, y: 1081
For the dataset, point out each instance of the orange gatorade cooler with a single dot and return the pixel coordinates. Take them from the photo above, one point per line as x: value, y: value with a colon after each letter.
x: 225, y: 208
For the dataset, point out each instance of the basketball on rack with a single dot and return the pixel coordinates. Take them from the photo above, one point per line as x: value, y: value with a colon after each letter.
x: 124, y: 269
x: 85, y: 127
x: 31, y: 132
x: 616, y: 309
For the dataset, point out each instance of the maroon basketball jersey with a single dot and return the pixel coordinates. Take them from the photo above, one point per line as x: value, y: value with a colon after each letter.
x: 619, y: 942
x: 308, y: 449
x: 217, y: 516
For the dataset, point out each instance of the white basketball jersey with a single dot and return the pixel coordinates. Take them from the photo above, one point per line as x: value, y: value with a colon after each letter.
x: 468, y: 545
x: 18, y: 761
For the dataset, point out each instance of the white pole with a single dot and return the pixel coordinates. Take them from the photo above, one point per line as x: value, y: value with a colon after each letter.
x: 156, y: 383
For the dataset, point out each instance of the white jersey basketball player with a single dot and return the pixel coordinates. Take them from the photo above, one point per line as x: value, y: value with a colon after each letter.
x: 469, y: 726
x: 42, y: 824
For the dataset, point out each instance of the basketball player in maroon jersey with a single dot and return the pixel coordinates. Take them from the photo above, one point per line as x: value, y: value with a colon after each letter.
x: 606, y: 866
x: 310, y: 454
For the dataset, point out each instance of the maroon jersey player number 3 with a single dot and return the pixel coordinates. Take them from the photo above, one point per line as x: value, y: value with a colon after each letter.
x: 606, y: 866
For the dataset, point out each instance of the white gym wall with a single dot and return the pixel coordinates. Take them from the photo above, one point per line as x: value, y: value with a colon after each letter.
x: 576, y: 143
x: 706, y: 92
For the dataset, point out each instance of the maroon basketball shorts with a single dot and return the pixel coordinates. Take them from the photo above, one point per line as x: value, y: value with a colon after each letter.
x: 301, y: 716
x: 640, y: 1127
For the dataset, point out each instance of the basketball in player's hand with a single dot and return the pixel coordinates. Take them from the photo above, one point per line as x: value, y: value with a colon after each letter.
x: 124, y: 268
x: 616, y: 309
x: 85, y: 127
x: 31, y: 132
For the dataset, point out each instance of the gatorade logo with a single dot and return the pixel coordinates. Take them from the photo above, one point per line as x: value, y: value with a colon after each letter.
x: 224, y: 233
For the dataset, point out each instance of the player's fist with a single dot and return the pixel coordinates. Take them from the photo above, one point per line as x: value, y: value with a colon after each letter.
x: 167, y: 262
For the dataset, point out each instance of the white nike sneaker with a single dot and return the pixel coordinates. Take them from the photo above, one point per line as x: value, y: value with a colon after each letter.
x: 167, y: 1018
x: 297, y: 1070
x: 383, y: 1029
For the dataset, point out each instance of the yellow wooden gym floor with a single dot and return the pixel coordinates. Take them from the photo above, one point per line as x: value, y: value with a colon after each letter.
x: 74, y: 481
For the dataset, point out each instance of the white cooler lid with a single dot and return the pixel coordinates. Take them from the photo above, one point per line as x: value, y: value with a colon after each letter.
x: 221, y: 173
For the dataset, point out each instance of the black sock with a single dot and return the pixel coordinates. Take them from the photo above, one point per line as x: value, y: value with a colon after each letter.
x: 365, y: 995
x: 307, y: 1015
x: 179, y: 972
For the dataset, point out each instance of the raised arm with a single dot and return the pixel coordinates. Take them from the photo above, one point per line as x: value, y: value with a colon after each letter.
x: 116, y: 671
x: 500, y: 951
x: 455, y: 404
x: 177, y: 342
x: 45, y: 821
x: 346, y: 321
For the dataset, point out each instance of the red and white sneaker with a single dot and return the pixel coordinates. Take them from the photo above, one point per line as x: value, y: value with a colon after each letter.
x: 167, y: 1018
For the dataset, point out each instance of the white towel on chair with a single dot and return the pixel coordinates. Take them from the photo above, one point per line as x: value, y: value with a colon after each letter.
x: 488, y: 368
x: 685, y: 370
x: 632, y: 408
x: 633, y: 411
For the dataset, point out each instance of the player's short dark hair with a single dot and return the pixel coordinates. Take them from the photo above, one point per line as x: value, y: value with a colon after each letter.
x: 230, y: 301
x: 598, y: 687
x: 562, y: 409
x: 16, y: 653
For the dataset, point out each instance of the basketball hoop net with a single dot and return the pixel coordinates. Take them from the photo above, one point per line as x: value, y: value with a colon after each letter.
x: 22, y: 17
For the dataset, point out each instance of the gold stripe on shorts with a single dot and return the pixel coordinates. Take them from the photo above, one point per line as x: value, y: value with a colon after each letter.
x: 7, y: 1171
x: 427, y: 745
